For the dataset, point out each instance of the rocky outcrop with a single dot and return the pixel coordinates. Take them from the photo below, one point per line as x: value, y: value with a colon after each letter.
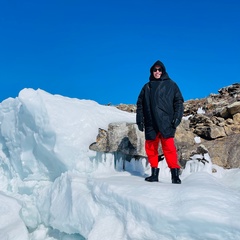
x: 211, y: 124
x: 225, y: 152
x: 120, y: 137
x: 214, y: 103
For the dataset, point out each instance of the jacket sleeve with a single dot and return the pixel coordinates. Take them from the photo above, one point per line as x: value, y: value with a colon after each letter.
x: 139, y: 115
x: 178, y: 104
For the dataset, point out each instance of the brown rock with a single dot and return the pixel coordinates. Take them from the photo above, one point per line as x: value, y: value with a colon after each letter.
x: 236, y: 118
x: 234, y: 108
x: 225, y: 152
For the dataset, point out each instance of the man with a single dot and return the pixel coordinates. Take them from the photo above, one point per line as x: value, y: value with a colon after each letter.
x: 159, y: 112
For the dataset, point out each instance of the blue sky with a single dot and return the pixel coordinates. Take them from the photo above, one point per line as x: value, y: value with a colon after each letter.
x: 102, y: 50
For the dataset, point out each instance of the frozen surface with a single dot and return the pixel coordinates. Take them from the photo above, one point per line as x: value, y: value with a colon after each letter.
x: 54, y: 187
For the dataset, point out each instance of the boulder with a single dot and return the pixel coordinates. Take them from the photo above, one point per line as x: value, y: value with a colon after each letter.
x: 225, y: 152
x: 234, y: 108
x: 120, y: 137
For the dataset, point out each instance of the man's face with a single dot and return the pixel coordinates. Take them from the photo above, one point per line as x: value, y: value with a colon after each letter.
x: 157, y: 72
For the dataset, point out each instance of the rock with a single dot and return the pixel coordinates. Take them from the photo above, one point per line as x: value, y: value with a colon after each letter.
x: 120, y: 137
x: 224, y: 113
x: 127, y: 107
x: 236, y: 118
x: 207, y: 128
x: 215, y: 104
x: 234, y: 108
x: 201, y: 149
x: 225, y: 152
x: 210, y: 132
x: 101, y: 144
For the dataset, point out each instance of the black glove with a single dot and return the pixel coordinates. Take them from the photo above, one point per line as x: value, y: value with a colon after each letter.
x: 140, y: 126
x: 175, y: 122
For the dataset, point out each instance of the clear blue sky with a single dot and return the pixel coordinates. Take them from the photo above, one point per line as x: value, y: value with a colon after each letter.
x: 102, y: 50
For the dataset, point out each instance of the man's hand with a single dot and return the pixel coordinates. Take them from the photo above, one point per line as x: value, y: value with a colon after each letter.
x: 140, y: 126
x: 175, y: 122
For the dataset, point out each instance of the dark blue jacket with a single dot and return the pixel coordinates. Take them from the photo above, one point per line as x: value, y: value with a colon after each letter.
x: 159, y: 105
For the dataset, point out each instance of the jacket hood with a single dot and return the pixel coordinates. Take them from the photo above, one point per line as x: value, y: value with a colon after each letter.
x: 164, y: 73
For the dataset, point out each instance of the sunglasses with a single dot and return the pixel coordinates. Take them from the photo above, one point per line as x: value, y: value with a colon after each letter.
x: 157, y: 69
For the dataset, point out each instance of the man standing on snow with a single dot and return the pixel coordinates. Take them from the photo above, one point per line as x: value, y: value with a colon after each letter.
x: 159, y: 112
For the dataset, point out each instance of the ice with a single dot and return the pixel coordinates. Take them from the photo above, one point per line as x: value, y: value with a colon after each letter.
x: 53, y: 187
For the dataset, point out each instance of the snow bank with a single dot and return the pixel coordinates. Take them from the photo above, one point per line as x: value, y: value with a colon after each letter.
x: 54, y: 187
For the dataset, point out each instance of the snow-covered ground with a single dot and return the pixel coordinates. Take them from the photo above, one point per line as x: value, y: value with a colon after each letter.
x: 53, y: 187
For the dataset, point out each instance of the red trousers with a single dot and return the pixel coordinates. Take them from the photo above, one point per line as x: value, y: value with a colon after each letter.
x: 168, y: 148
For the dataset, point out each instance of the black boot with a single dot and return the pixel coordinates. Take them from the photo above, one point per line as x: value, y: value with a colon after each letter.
x: 154, y: 176
x: 175, y: 175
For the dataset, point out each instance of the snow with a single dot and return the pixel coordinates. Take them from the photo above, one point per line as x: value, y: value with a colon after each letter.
x: 54, y: 187
x: 200, y: 111
x: 197, y: 139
